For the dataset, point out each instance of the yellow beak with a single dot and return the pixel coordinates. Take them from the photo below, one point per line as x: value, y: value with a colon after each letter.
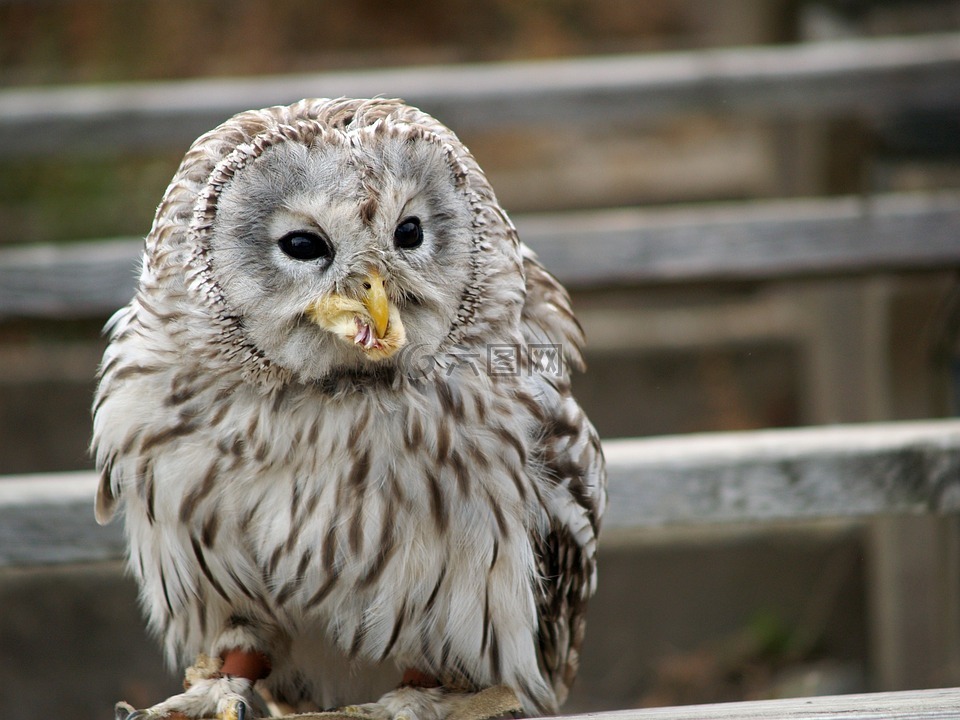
x: 375, y: 301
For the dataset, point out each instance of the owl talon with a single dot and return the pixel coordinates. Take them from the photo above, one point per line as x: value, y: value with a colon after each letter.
x: 222, y: 698
x: 235, y: 709
x: 125, y: 711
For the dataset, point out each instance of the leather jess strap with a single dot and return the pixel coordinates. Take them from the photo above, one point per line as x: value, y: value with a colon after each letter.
x: 416, y: 679
x: 246, y: 664
x: 256, y: 665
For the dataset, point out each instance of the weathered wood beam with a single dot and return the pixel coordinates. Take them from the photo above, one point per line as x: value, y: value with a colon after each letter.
x: 765, y: 240
x: 841, y: 471
x: 68, y: 281
x: 908, y: 705
x: 870, y: 77
x: 48, y: 519
x: 816, y: 472
x: 762, y: 240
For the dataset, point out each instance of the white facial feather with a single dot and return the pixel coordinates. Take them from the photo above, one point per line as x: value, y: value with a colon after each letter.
x: 320, y: 189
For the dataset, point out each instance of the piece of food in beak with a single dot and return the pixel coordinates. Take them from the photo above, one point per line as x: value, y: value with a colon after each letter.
x: 370, y: 322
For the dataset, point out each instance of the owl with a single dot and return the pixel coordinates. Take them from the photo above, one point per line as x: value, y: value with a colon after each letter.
x: 337, y: 416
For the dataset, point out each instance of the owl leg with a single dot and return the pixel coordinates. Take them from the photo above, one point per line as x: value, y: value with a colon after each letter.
x: 215, y: 688
x: 437, y: 703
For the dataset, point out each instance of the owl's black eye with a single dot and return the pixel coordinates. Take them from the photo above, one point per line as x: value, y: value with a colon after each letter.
x: 303, y: 245
x: 408, y: 234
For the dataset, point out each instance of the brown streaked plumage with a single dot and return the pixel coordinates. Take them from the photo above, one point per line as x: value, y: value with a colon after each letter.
x: 320, y: 467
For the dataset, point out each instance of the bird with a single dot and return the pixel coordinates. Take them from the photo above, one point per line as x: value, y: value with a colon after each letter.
x: 337, y: 420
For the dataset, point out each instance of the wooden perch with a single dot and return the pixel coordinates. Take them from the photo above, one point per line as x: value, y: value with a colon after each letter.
x: 912, y: 705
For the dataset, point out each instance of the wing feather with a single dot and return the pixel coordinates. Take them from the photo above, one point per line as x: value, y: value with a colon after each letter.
x: 547, y: 316
x: 573, y: 482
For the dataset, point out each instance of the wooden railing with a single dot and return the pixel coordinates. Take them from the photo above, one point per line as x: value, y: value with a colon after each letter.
x: 759, y: 240
x: 841, y: 471
x: 869, y: 77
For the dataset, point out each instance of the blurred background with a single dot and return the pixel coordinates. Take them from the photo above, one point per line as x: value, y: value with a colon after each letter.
x: 683, y: 615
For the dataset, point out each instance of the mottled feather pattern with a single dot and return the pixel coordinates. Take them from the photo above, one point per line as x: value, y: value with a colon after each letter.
x: 347, y: 519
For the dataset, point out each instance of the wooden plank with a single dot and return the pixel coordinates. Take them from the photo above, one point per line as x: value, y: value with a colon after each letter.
x: 73, y: 280
x: 871, y: 76
x: 841, y: 471
x: 749, y: 241
x: 48, y: 519
x: 761, y: 240
x: 912, y: 705
x: 832, y: 471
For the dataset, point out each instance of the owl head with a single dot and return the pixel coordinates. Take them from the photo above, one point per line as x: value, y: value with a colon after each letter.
x: 328, y: 236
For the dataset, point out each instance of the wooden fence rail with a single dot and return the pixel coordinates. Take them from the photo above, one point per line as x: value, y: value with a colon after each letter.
x: 868, y: 77
x: 839, y: 471
x: 763, y: 240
